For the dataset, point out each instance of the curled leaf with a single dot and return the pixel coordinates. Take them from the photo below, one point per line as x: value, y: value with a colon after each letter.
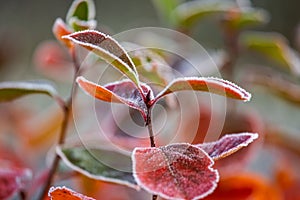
x: 60, y: 29
x: 82, y: 9
x: 64, y: 193
x: 118, y: 92
x: 227, y: 145
x: 13, y: 90
x: 87, y: 161
x: 176, y: 171
x: 212, y: 85
x: 108, y: 49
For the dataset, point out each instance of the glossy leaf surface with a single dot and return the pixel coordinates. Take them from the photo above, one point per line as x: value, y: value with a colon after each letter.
x: 108, y: 49
x: 119, y: 92
x: 176, y: 171
x: 64, y: 193
x: 212, y: 85
x: 88, y: 162
x: 13, y: 90
x: 227, y: 145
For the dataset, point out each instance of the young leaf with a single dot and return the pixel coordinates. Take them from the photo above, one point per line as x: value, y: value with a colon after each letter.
x: 82, y: 9
x: 79, y: 25
x: 176, y: 171
x: 166, y: 8
x: 108, y: 49
x: 150, y: 66
x: 212, y: 85
x: 227, y: 145
x: 88, y: 162
x: 60, y: 29
x: 193, y: 11
x: 13, y: 90
x: 63, y: 193
x: 118, y: 92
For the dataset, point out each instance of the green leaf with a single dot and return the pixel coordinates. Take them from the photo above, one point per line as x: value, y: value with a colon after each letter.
x: 242, y: 19
x: 150, y: 65
x: 108, y: 49
x: 192, y: 12
x: 99, y: 164
x: 13, y: 90
x: 274, y: 47
x: 166, y: 8
x: 81, y: 9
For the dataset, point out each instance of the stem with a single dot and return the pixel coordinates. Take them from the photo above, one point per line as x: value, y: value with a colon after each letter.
x: 151, y: 136
x: 67, y: 108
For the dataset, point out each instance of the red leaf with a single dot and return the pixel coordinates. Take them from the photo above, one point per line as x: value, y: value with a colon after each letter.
x: 63, y: 193
x: 12, y: 181
x: 209, y: 84
x: 176, y: 171
x: 118, y: 92
x: 108, y: 49
x: 227, y: 145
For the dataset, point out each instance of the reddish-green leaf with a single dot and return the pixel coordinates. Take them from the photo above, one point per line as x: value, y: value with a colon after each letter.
x: 60, y: 29
x: 98, y: 164
x: 108, y: 49
x: 64, y: 193
x: 118, y: 92
x: 212, y: 85
x: 13, y: 90
x: 176, y: 171
x: 227, y: 145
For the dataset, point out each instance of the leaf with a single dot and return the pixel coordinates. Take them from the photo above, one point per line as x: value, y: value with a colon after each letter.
x: 64, y: 193
x: 87, y: 161
x: 118, y: 92
x: 82, y: 9
x: 12, y: 181
x: 166, y: 8
x: 108, y: 49
x: 274, y: 47
x: 150, y: 65
x: 245, y: 18
x: 60, y: 29
x: 194, y: 11
x: 79, y: 25
x: 227, y: 145
x: 210, y: 84
x: 13, y: 90
x: 176, y: 171
x: 279, y: 86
